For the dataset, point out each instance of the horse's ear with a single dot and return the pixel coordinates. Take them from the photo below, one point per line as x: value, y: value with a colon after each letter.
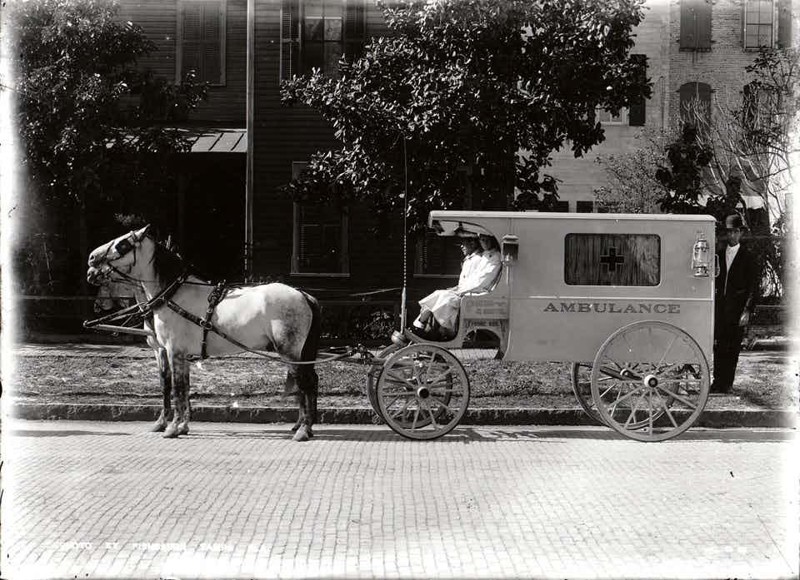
x: 140, y: 234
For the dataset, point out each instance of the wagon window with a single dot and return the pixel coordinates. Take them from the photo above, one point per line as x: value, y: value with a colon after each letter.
x: 612, y: 259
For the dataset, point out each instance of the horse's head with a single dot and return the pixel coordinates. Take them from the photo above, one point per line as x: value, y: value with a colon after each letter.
x: 119, y: 256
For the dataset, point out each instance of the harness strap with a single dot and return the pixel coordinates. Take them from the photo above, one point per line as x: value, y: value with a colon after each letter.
x: 205, y: 326
x: 215, y: 297
x: 146, y: 309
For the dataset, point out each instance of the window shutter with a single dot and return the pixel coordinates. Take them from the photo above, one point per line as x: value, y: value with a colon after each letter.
x: 636, y: 112
x: 688, y: 15
x: 212, y: 47
x: 703, y: 25
x: 290, y: 45
x: 784, y: 24
x: 190, y: 40
x: 354, y: 29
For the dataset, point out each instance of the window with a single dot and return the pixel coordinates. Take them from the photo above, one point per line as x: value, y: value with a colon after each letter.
x: 612, y: 259
x: 636, y: 113
x: 201, y: 40
x: 437, y: 255
x: 758, y: 107
x: 606, y: 118
x: 695, y: 100
x: 784, y: 23
x: 584, y: 206
x: 758, y: 16
x: 695, y: 25
x: 320, y: 237
x: 317, y: 33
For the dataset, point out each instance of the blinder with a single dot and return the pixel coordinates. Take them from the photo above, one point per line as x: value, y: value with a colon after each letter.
x: 123, y: 246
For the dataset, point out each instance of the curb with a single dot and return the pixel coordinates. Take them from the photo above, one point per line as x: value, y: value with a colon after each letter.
x: 717, y: 419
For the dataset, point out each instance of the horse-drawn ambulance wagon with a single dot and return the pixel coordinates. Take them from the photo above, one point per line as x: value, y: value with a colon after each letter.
x: 629, y: 298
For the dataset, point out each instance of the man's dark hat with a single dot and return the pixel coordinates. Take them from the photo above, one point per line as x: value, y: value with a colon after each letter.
x: 734, y: 221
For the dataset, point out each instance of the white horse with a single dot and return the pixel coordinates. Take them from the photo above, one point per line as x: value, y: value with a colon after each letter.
x: 264, y: 317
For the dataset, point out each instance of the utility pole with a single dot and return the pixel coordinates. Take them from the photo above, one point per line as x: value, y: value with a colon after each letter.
x: 249, y: 124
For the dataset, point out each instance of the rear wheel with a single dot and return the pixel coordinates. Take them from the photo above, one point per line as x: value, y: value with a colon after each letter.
x: 650, y: 381
x: 422, y: 391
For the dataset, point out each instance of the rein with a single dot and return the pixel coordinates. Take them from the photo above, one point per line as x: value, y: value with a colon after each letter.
x: 163, y: 298
x: 144, y: 310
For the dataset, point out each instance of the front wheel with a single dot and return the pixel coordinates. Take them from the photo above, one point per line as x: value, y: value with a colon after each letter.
x: 422, y: 392
x: 582, y: 387
x: 650, y: 381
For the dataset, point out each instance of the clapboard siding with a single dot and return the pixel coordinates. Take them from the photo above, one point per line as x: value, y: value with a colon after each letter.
x: 281, y: 135
x: 159, y: 20
x: 287, y: 134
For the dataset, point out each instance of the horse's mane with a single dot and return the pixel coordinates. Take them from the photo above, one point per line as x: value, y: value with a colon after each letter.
x: 169, y: 264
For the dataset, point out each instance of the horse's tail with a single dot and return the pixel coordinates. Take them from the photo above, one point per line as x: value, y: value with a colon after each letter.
x: 311, y: 345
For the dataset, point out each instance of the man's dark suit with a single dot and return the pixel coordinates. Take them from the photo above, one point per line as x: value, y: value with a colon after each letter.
x: 729, y: 304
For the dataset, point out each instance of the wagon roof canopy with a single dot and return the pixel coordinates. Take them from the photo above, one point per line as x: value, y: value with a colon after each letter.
x: 446, y: 222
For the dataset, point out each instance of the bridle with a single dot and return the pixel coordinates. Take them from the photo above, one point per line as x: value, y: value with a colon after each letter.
x: 122, y: 247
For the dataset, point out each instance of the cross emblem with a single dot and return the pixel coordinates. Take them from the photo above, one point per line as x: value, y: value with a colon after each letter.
x: 612, y: 259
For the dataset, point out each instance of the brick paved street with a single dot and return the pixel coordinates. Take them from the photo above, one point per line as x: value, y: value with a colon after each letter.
x: 112, y: 500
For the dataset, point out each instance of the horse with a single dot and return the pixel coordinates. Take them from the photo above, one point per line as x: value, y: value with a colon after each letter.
x: 117, y: 294
x: 189, y: 322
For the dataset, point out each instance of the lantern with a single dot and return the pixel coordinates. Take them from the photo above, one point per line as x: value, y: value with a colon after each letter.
x: 701, y: 256
x: 510, y: 249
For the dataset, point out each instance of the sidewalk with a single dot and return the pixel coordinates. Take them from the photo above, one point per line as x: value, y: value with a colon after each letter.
x: 726, y: 411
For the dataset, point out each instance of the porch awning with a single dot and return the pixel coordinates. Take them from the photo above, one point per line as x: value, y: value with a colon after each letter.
x: 218, y: 140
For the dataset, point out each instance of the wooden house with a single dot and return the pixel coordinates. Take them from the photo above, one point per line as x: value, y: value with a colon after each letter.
x: 232, y: 219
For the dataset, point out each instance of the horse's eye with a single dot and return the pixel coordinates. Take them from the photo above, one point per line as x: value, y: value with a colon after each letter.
x: 123, y: 247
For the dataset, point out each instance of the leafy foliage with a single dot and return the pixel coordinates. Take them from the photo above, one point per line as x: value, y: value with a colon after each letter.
x: 632, y: 185
x: 457, y: 89
x: 682, y: 176
x: 92, y: 125
x: 94, y: 133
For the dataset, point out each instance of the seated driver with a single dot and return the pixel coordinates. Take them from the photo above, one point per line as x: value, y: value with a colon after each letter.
x: 439, y: 315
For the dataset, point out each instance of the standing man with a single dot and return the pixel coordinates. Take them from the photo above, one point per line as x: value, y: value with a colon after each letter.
x: 733, y: 301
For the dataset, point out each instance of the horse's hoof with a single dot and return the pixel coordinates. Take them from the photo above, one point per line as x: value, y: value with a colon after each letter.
x: 295, y: 427
x: 183, y: 429
x: 158, y: 427
x: 301, y: 435
x: 171, y: 432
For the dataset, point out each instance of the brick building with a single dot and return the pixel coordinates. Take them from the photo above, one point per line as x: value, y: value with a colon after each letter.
x: 694, y: 49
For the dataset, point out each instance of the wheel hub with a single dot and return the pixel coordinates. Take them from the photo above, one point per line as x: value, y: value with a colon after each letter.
x: 423, y: 393
x: 651, y: 381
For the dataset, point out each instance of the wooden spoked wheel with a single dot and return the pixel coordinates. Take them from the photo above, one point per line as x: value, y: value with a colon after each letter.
x: 650, y: 381
x: 372, y: 392
x: 582, y: 387
x: 372, y: 381
x: 422, y: 391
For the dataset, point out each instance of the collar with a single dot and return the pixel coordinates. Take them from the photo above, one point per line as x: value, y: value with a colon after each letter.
x: 732, y: 248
